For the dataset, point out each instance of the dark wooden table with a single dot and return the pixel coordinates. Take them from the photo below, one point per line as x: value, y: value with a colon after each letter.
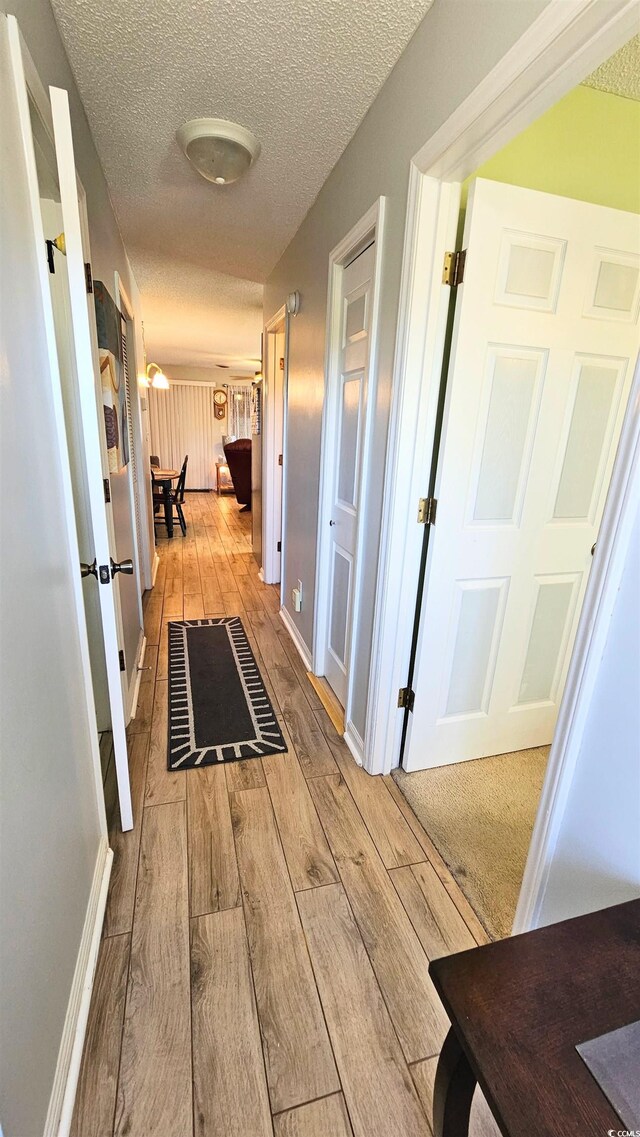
x: 164, y: 478
x: 519, y: 1007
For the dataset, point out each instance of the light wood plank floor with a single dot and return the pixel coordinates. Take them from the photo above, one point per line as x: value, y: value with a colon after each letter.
x: 263, y: 968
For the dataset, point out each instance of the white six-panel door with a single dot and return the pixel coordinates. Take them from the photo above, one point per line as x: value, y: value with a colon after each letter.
x: 544, y: 344
x: 351, y: 395
x: 85, y: 357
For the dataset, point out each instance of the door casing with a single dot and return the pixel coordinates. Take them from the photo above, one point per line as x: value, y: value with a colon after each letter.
x: 274, y: 401
x: 369, y: 228
x: 137, y: 486
x: 561, y: 47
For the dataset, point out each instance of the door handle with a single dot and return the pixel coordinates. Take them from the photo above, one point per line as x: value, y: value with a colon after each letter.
x: 89, y: 570
x: 332, y: 522
x: 123, y: 566
x: 593, y: 548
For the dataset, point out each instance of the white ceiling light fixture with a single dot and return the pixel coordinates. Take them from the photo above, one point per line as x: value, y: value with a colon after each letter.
x: 221, y: 151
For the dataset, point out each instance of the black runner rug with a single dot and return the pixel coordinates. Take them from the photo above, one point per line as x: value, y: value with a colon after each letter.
x: 219, y: 710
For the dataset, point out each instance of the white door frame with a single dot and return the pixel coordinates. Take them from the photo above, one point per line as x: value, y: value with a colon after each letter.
x: 272, y: 500
x: 371, y: 225
x: 567, y: 42
x: 146, y: 547
x: 136, y: 485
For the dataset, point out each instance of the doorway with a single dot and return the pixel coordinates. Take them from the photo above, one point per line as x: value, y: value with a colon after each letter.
x: 536, y: 393
x: 352, y: 319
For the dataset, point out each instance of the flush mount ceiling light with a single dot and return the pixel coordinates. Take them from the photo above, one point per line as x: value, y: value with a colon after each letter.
x: 221, y: 151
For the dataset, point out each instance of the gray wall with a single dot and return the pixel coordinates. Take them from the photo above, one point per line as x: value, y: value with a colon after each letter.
x: 457, y: 43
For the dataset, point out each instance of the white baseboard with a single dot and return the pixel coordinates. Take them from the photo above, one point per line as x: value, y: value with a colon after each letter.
x: 65, y: 1080
x: 300, y: 645
x: 139, y: 670
x: 154, y: 570
x: 134, y: 686
x: 355, y: 743
x: 261, y: 574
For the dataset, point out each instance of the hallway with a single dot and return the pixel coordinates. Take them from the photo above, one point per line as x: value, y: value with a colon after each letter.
x: 269, y: 923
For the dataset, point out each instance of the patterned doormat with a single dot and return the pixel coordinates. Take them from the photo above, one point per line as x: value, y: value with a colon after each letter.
x: 219, y: 710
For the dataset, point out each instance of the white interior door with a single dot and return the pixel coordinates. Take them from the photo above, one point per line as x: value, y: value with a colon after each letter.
x: 350, y: 413
x: 544, y: 343
x: 52, y: 821
x: 83, y: 358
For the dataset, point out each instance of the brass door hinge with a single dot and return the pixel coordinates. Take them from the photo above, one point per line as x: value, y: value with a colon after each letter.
x: 107, y: 489
x: 427, y: 507
x: 453, y: 268
x: 88, y: 277
x: 406, y: 698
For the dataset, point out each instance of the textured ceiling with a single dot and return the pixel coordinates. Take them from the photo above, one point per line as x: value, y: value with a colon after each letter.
x: 619, y: 75
x: 187, y: 309
x: 300, y: 74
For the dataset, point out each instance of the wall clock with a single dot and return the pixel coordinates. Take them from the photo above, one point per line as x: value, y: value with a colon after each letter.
x: 219, y: 403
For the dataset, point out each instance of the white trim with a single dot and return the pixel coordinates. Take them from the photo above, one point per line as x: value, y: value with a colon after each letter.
x: 423, y: 311
x: 156, y: 566
x: 370, y: 225
x: 614, y: 537
x: 565, y: 43
x: 65, y: 1082
x: 133, y: 689
x: 138, y: 676
x: 285, y: 421
x: 355, y: 744
x: 298, y: 642
x: 271, y: 516
x: 141, y: 483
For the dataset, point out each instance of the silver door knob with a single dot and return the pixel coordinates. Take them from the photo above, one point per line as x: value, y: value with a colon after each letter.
x: 89, y: 570
x: 124, y: 566
x: 332, y: 522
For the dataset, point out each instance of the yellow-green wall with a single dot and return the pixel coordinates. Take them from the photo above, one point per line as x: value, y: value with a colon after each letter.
x: 587, y: 146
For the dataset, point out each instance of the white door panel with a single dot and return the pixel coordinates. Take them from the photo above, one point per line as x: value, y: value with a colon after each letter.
x: 52, y: 821
x: 84, y: 348
x: 357, y: 285
x: 545, y: 338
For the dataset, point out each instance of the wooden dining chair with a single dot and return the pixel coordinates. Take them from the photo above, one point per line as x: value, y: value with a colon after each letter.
x: 177, y: 498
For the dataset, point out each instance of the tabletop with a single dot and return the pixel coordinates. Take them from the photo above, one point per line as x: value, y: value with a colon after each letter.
x: 520, y: 1006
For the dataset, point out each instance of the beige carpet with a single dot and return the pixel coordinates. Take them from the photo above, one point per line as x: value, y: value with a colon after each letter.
x: 479, y: 816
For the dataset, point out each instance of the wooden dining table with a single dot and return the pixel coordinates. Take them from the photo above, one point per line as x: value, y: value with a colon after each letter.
x: 164, y: 478
x: 519, y: 1009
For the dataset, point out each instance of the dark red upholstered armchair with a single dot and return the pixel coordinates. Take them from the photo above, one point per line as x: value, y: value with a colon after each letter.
x: 238, y: 455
